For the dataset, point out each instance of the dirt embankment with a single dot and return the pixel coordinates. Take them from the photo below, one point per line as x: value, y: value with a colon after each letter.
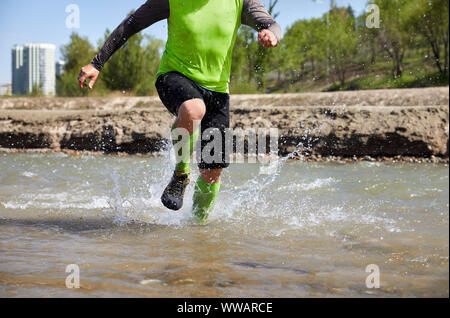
x: 410, y: 122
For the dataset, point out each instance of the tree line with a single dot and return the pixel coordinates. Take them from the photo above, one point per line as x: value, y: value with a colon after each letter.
x: 409, y: 48
x: 130, y: 70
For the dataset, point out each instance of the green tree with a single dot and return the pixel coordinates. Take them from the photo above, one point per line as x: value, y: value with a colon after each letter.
x: 367, y: 39
x: 150, y: 66
x: 263, y: 55
x: 124, y: 71
x: 430, y: 19
x: 295, y: 50
x: 394, y: 37
x: 134, y: 66
x: 277, y: 60
x: 77, y: 53
x: 305, y: 43
x: 240, y: 60
x: 242, y: 66
x: 342, y: 43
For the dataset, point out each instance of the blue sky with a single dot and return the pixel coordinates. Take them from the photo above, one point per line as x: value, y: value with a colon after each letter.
x: 26, y: 21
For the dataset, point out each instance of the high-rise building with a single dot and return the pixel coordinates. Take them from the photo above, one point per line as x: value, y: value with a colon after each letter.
x: 18, y: 74
x: 59, y: 68
x: 33, y: 66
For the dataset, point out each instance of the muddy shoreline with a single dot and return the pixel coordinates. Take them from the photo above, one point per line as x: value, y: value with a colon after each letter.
x: 289, y: 158
x: 409, y: 124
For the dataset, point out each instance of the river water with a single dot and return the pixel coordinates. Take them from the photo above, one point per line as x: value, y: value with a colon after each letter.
x: 309, y: 230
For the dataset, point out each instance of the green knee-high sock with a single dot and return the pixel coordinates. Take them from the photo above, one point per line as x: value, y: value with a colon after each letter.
x: 204, y: 197
x: 183, y: 155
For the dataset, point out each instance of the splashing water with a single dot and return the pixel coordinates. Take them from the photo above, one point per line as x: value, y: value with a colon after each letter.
x: 310, y: 229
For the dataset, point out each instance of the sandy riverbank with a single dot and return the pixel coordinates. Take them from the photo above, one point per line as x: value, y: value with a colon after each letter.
x: 381, y: 123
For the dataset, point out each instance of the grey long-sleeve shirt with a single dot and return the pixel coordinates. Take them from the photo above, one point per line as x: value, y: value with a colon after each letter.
x: 253, y: 14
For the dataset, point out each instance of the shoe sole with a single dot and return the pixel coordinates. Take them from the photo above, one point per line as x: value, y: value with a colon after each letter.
x: 170, y: 205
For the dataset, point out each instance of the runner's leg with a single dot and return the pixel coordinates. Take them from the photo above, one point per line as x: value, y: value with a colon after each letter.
x: 213, y: 160
x: 205, y: 193
x: 182, y: 98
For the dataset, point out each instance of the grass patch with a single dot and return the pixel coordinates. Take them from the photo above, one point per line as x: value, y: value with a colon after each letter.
x: 409, y: 79
x: 243, y: 87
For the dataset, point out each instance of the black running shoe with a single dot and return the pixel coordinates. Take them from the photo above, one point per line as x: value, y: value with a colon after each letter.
x: 172, y: 197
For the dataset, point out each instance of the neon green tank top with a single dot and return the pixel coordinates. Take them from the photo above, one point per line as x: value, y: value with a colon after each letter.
x: 201, y: 38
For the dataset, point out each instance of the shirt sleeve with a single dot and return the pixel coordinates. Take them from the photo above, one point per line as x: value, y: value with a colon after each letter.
x: 256, y: 16
x: 149, y: 13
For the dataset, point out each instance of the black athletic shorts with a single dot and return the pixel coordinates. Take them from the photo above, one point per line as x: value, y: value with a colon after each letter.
x: 174, y: 89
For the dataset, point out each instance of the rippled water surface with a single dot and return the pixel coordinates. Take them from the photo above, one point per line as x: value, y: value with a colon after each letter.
x: 309, y: 230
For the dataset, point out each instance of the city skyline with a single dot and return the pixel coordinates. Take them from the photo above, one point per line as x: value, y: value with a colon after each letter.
x: 48, y: 17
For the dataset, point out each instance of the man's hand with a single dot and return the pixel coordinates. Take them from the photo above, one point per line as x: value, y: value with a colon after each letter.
x: 88, y: 72
x: 267, y: 38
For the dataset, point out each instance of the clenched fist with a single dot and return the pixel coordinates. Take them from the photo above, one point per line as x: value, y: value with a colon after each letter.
x: 267, y: 38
